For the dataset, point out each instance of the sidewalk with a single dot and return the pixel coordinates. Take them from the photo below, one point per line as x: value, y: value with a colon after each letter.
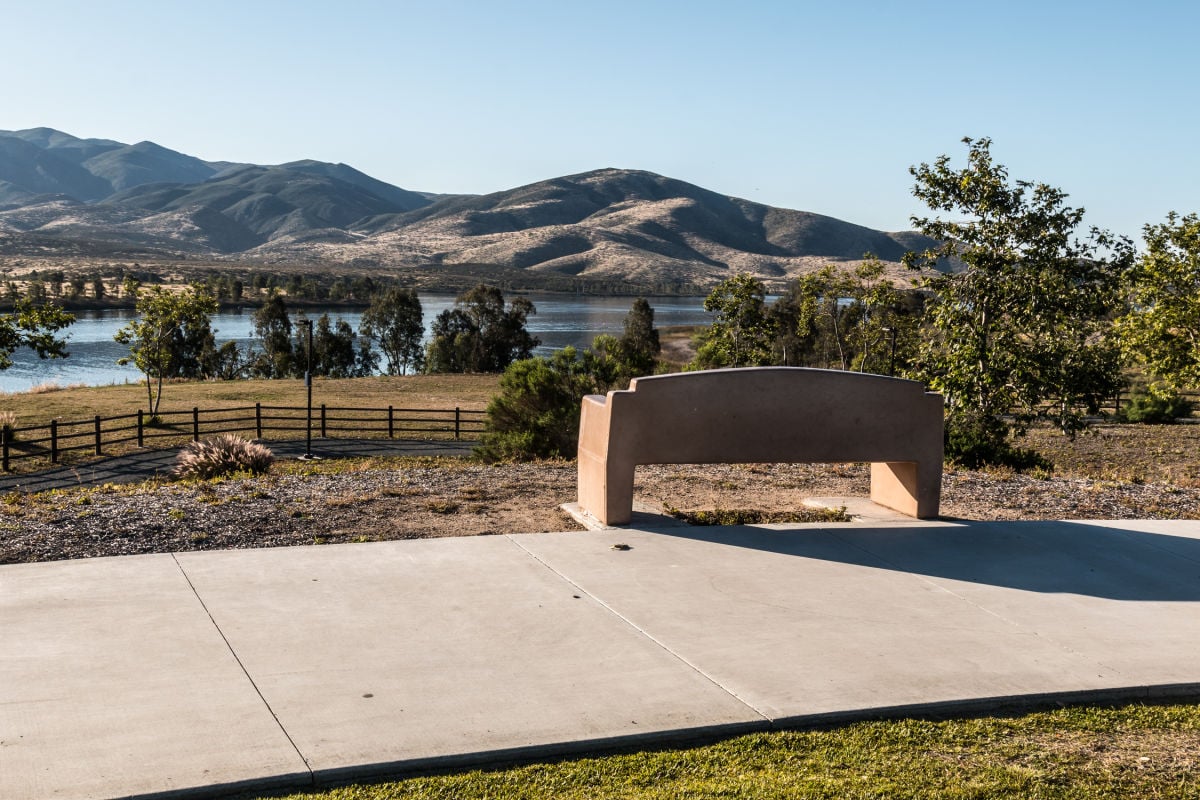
x: 144, y: 464
x: 198, y: 673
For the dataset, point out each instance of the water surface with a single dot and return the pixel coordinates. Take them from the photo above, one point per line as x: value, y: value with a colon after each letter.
x: 561, y: 320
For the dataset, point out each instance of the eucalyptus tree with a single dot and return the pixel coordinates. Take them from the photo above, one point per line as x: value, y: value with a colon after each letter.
x: 481, y: 333
x: 395, y: 321
x: 273, y: 327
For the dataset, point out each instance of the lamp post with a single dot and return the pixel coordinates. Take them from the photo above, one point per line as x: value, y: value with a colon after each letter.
x: 892, y: 357
x: 308, y: 453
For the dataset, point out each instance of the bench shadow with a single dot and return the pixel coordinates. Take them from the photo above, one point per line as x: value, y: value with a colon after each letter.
x: 1052, y: 557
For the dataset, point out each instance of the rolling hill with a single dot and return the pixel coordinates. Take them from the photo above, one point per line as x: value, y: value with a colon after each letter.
x: 613, y: 225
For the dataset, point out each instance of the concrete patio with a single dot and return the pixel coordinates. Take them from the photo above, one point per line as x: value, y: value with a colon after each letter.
x: 196, y: 674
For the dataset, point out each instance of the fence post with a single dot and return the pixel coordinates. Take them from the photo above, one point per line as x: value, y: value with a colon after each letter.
x: 391, y: 424
x: 258, y: 420
x: 5, y: 435
x: 141, y: 427
x: 323, y: 420
x: 97, y: 434
x: 53, y: 441
x: 457, y: 422
x: 195, y: 424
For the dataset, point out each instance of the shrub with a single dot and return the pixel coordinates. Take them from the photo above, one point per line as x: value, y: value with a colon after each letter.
x: 1156, y: 408
x: 223, y: 455
x: 975, y: 440
x: 536, y: 414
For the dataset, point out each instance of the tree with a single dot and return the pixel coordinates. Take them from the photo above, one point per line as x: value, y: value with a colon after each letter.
x: 161, y: 339
x: 1162, y: 327
x: 33, y: 326
x: 839, y: 319
x: 742, y: 332
x: 616, y: 361
x: 273, y: 326
x: 395, y: 321
x: 1022, y: 321
x: 480, y: 334
x: 337, y: 352
x: 639, y: 342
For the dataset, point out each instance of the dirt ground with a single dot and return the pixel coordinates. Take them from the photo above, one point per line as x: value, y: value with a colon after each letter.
x: 371, y: 500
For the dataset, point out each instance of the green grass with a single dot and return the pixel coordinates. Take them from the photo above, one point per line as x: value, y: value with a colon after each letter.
x: 1134, y: 751
x: 724, y: 516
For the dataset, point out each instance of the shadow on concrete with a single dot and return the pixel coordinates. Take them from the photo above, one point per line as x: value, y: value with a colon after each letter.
x: 143, y: 465
x: 1053, y: 557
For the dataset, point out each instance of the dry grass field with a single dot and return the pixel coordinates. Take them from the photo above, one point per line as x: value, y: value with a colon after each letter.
x: 410, y: 391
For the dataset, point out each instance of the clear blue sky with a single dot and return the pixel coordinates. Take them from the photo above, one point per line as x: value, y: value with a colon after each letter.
x: 820, y: 106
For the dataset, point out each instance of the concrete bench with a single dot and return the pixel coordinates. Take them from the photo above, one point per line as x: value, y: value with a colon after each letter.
x: 763, y: 415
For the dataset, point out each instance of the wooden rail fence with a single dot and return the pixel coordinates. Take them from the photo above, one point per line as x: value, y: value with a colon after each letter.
x: 98, y: 434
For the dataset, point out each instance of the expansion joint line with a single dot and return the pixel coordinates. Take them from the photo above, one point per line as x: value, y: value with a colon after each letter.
x: 644, y: 633
x: 242, y: 666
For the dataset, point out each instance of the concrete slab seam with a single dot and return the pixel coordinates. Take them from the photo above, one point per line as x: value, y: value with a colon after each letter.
x: 930, y: 581
x: 642, y: 632
x: 246, y: 672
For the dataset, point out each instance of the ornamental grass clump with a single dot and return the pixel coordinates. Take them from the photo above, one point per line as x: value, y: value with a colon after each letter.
x: 8, y: 420
x: 222, y: 455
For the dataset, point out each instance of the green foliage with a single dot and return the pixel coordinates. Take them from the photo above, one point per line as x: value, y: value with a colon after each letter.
x: 395, y: 321
x: 617, y: 361
x: 1162, y: 328
x: 169, y: 337
x: 839, y: 319
x: 639, y: 345
x: 222, y: 455
x: 1023, y: 320
x: 536, y: 414
x: 725, y: 516
x: 336, y: 351
x: 742, y: 332
x: 974, y: 440
x: 480, y: 334
x: 1160, y: 405
x: 273, y: 327
x: 34, y: 326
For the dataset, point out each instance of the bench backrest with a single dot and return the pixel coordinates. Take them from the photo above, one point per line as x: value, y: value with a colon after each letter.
x: 768, y: 414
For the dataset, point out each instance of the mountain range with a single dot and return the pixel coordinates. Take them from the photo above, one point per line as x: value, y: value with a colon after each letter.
x: 63, y: 194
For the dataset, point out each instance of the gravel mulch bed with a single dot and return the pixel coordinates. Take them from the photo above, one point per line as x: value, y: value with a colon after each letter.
x: 415, y: 500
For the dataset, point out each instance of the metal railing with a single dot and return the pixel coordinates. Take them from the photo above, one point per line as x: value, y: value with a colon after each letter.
x: 100, y: 435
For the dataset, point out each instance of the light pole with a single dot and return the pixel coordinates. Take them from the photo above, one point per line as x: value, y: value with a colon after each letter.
x: 892, y: 357
x: 308, y: 453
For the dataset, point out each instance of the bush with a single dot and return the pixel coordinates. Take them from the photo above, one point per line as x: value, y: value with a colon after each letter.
x: 975, y: 440
x: 1156, y: 408
x: 536, y: 414
x: 223, y: 455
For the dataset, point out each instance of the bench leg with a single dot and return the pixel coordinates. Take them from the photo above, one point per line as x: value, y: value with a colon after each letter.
x: 908, y: 487
x: 605, y: 489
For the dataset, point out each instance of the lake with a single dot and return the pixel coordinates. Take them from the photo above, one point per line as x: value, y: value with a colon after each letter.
x: 561, y: 320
